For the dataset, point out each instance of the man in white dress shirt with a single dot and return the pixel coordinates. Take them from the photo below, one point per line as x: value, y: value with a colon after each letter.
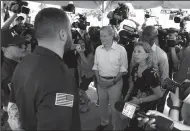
x: 110, y: 65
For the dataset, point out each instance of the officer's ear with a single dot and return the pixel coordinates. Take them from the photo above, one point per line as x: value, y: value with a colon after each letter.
x: 63, y: 35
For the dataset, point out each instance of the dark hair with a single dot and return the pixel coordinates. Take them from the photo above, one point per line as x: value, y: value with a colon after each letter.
x: 48, y: 21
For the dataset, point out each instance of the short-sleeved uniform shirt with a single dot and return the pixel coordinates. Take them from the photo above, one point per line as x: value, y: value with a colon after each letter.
x: 143, y: 85
x: 45, y: 93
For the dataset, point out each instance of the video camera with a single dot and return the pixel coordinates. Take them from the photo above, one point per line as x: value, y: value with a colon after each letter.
x: 148, y: 14
x: 171, y: 85
x: 128, y: 34
x: 18, y: 6
x: 94, y: 33
x: 119, y: 14
x: 131, y: 111
x: 81, y: 23
x: 171, y: 37
x: 26, y: 29
x: 69, y: 8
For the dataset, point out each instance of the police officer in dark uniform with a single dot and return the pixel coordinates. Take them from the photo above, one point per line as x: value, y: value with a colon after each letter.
x: 43, y: 89
x: 13, y: 49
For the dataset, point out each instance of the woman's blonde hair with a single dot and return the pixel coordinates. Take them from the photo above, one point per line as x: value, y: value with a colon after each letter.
x: 147, y: 48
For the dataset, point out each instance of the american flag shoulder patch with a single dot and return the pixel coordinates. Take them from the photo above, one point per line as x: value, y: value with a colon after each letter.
x: 63, y: 99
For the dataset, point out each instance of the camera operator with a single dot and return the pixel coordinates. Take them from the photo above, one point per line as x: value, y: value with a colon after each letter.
x: 180, y: 60
x: 175, y: 110
x: 14, y: 49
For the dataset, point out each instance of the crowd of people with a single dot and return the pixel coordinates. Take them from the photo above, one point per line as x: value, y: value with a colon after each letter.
x: 44, y: 88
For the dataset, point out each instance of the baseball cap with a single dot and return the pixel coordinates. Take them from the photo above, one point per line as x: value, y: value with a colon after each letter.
x: 10, y: 39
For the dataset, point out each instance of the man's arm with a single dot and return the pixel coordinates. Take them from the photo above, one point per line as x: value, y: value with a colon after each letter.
x: 9, y: 21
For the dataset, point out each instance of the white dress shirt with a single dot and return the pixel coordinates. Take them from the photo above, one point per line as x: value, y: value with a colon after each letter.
x: 110, y: 62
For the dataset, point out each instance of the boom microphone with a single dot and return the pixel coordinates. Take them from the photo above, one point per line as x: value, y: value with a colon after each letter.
x: 130, y: 110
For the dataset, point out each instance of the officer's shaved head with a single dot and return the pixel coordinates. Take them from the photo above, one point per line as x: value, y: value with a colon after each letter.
x: 149, y: 34
x: 49, y: 21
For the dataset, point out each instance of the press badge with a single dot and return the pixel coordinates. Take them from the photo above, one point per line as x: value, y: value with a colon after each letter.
x: 63, y: 99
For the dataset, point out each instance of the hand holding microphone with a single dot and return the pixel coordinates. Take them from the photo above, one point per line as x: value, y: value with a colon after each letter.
x: 131, y: 110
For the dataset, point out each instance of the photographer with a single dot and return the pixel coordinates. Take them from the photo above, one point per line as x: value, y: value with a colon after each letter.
x: 175, y: 111
x: 181, y: 62
x: 14, y: 49
x: 86, y: 74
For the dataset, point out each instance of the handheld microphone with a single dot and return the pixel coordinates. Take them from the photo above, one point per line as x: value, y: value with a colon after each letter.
x: 130, y: 110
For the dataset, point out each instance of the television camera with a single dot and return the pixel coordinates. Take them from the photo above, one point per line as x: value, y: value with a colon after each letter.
x: 148, y: 14
x: 170, y: 37
x: 171, y: 86
x: 81, y: 23
x: 180, y: 16
x: 18, y: 6
x: 119, y: 14
x: 94, y: 33
x: 26, y: 29
x: 69, y: 8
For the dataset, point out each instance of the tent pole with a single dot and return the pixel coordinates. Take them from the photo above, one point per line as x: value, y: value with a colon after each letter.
x: 102, y: 13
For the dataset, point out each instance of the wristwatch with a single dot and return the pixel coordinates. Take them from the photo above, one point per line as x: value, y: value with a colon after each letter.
x: 175, y: 108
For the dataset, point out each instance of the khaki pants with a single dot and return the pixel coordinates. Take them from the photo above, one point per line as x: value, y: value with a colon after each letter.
x: 110, y: 96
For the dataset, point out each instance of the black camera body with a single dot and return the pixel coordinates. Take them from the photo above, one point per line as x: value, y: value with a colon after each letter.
x: 26, y: 29
x: 94, y: 33
x: 119, y: 14
x: 171, y: 37
x: 81, y: 23
x: 19, y: 6
x: 171, y: 85
x: 69, y: 8
x: 128, y: 34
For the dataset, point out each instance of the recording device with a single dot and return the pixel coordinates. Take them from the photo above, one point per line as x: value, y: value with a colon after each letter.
x: 26, y: 29
x: 119, y: 14
x: 170, y: 37
x: 75, y: 36
x: 171, y: 85
x: 94, y: 33
x: 69, y: 8
x: 81, y: 23
x: 18, y: 6
x: 179, y: 19
x: 131, y: 111
x: 148, y: 14
x: 128, y: 34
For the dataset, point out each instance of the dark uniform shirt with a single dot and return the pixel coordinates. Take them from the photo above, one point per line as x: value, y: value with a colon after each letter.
x: 7, y: 70
x: 45, y: 93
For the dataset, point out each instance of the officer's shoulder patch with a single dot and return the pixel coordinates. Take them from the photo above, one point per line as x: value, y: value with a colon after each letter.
x: 63, y: 99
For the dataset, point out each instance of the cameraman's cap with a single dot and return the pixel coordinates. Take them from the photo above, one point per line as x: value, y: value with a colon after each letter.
x: 19, y: 18
x: 10, y: 39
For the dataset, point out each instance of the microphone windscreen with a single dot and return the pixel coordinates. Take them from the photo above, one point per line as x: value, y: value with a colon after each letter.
x: 119, y: 105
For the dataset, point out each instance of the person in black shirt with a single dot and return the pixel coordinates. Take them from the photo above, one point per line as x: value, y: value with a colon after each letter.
x: 146, y: 84
x: 12, y: 50
x: 43, y: 90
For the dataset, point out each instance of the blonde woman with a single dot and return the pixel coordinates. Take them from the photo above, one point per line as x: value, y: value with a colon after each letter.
x: 146, y: 84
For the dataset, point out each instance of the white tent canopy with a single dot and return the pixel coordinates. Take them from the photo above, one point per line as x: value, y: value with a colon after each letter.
x: 136, y: 4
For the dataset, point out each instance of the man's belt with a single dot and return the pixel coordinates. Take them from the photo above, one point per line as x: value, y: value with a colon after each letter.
x: 108, y: 77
